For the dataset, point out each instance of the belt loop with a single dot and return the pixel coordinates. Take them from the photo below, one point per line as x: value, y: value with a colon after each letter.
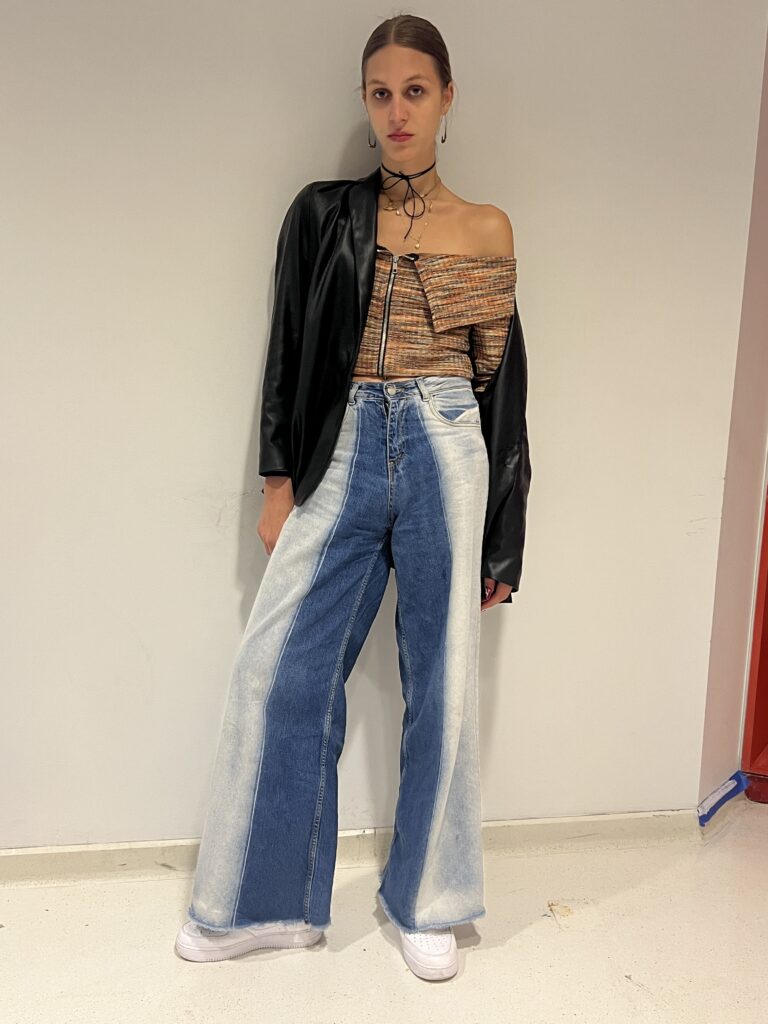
x: 423, y: 388
x: 352, y: 393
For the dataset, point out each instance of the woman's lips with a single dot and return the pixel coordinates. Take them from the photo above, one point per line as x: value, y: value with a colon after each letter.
x: 400, y: 137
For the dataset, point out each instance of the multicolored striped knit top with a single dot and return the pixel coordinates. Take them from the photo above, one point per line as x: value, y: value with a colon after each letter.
x: 437, y: 314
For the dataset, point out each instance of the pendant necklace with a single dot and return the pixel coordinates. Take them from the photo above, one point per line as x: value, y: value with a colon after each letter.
x: 393, y: 208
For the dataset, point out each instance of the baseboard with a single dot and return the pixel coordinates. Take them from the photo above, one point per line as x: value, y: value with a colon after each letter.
x: 356, y: 847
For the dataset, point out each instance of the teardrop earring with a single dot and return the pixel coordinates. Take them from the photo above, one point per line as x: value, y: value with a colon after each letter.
x: 371, y: 144
x: 444, y: 136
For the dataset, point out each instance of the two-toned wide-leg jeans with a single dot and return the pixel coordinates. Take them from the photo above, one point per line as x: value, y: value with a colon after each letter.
x: 406, y: 488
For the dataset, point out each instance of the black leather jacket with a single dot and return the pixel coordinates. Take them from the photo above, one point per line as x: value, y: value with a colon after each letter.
x: 324, y: 271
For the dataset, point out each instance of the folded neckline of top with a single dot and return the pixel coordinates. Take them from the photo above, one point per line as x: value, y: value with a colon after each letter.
x: 443, y: 255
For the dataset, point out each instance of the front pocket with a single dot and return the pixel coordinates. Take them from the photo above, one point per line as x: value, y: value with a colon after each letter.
x: 455, y: 406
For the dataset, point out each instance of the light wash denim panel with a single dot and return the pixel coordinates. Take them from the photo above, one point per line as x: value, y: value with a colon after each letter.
x: 406, y: 489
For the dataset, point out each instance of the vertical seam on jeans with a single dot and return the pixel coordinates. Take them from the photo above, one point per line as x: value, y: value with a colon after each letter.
x: 408, y: 696
x: 318, y: 808
x: 326, y: 730
x: 424, y: 427
x: 408, y: 670
x: 247, y: 845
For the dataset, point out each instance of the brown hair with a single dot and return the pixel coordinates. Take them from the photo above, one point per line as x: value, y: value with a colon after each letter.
x: 414, y: 32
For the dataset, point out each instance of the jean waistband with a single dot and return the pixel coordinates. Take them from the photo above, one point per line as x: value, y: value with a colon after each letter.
x: 412, y: 387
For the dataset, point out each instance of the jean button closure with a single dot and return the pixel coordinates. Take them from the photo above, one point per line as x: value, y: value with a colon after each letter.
x: 390, y: 389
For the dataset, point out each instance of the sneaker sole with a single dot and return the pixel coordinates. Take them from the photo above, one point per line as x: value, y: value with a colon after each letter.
x: 270, y: 940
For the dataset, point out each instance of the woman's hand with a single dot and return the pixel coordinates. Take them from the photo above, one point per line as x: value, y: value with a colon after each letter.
x: 278, y: 502
x: 496, y: 593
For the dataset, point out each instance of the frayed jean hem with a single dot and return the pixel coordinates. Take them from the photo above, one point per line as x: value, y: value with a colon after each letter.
x: 222, y: 930
x: 429, y: 927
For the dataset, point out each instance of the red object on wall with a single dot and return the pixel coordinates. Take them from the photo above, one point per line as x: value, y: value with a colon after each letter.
x: 754, y: 758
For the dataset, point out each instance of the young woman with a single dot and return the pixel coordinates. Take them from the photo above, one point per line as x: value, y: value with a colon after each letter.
x: 393, y: 435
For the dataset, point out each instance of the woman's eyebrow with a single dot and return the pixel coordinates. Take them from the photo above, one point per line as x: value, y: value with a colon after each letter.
x: 378, y: 81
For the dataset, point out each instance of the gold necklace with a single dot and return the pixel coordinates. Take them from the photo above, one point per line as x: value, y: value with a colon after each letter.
x: 421, y: 195
x: 398, y: 209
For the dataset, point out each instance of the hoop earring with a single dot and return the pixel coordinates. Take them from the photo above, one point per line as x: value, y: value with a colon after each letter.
x: 444, y: 136
x: 371, y: 144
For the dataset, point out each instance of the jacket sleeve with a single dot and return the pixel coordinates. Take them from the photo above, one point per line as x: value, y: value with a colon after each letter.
x: 293, y: 269
x: 503, y: 417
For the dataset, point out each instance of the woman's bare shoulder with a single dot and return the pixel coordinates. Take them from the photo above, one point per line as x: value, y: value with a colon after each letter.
x: 492, y: 229
x: 486, y: 228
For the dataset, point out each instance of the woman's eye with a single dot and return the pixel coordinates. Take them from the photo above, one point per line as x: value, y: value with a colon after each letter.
x: 419, y: 87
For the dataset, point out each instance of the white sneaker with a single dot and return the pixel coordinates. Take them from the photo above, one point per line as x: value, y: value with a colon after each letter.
x: 430, y: 954
x: 195, y: 942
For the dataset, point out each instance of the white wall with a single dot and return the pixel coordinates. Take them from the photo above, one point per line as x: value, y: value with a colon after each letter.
x: 743, y: 500
x: 149, y: 152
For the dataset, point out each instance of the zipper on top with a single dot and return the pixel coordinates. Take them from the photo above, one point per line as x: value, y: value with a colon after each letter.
x: 387, y: 301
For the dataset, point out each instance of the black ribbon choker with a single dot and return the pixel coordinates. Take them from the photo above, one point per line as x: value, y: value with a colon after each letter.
x: 399, y: 175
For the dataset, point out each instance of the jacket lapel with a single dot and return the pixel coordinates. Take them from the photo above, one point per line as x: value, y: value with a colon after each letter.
x: 363, y: 207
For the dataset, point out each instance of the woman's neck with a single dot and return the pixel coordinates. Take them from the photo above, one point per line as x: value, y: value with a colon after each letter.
x: 397, y: 188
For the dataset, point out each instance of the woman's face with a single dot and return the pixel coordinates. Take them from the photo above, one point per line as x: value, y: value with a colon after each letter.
x: 403, y: 95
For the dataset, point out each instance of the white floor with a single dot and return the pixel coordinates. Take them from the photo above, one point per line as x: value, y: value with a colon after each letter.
x: 673, y: 931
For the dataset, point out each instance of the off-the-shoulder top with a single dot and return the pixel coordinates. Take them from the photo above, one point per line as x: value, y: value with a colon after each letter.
x: 437, y: 314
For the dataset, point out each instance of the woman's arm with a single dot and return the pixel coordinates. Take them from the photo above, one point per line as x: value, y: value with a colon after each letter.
x: 502, y: 400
